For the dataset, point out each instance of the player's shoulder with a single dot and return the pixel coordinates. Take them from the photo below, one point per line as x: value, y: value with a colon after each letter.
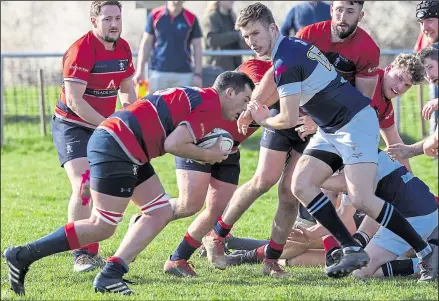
x: 158, y: 11
x: 290, y: 45
x: 124, y: 45
x: 254, y: 68
x: 84, y: 44
x: 316, y: 29
x: 364, y: 40
x: 189, y: 16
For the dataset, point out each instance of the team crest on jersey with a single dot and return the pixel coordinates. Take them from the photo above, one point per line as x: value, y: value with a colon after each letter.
x: 111, y: 85
x: 122, y: 65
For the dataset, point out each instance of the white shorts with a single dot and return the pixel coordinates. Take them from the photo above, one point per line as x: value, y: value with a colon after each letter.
x: 355, y: 142
x: 391, y: 242
x: 163, y: 80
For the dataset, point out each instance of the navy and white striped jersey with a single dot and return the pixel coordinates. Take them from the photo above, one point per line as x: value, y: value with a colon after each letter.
x: 300, y: 67
x: 400, y: 187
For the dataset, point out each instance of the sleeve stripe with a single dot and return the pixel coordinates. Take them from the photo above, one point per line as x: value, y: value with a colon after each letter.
x: 189, y: 127
x: 73, y: 79
x: 289, y: 89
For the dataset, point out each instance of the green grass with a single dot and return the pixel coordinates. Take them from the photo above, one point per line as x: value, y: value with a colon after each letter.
x: 35, y: 192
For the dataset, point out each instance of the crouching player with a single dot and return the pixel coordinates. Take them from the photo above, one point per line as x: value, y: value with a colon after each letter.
x: 119, y: 152
x: 396, y: 185
x: 412, y: 197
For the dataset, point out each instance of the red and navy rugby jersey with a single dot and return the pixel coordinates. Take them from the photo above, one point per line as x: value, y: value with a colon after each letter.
x: 382, y: 105
x: 88, y: 62
x: 142, y: 127
x: 356, y: 56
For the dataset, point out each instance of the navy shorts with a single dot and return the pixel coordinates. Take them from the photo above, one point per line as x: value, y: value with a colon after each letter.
x: 70, y: 140
x: 226, y: 171
x: 283, y: 140
x: 111, y: 170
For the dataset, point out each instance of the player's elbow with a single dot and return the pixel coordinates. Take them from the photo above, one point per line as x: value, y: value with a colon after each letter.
x: 171, y: 145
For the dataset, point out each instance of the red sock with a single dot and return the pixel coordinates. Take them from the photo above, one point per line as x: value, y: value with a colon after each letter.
x: 72, y: 238
x: 260, y: 252
x: 92, y: 249
x: 192, y: 241
x: 329, y: 243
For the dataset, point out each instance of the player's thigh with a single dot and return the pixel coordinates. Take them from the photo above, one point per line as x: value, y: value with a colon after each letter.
x: 193, y: 182
x: 149, y: 193
x: 361, y: 182
x: 378, y: 256
x: 309, y: 170
x: 78, y: 173
x: 270, y: 166
x: 287, y: 175
x: 224, y: 181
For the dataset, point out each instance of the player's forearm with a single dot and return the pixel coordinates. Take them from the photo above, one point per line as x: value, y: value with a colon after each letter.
x: 416, y: 149
x: 143, y: 55
x: 281, y: 121
x: 187, y: 150
x: 266, y: 91
x: 198, y: 57
x: 127, y: 93
x: 81, y: 108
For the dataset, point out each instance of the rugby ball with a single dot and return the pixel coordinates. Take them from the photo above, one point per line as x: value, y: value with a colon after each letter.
x: 209, y: 140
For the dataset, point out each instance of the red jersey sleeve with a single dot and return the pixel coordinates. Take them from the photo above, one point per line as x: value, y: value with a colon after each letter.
x: 77, y: 63
x: 388, y: 118
x: 304, y: 34
x: 368, y: 63
x: 199, y: 123
x: 130, y: 71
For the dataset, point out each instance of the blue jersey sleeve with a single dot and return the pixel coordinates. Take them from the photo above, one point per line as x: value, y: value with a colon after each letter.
x: 149, y: 28
x: 288, y: 77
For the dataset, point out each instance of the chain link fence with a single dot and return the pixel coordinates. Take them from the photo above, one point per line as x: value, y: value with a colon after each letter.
x: 31, y: 84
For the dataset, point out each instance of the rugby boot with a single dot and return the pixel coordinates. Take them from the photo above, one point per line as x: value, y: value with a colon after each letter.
x: 179, y: 268
x: 353, y: 258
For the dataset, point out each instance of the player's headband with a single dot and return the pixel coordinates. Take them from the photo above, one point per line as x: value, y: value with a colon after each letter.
x: 427, y: 9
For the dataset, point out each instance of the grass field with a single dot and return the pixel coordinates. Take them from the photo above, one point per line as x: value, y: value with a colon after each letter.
x: 34, y: 197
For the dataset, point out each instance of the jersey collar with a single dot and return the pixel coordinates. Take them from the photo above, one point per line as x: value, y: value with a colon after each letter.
x: 276, y: 45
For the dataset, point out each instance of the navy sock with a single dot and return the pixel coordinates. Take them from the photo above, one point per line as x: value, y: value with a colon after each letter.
x: 393, y: 220
x: 221, y: 228
x: 115, y: 267
x: 56, y: 242
x: 186, y: 248
x: 274, y: 250
x: 324, y: 212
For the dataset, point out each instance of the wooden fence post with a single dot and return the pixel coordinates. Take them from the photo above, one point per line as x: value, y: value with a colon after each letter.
x: 42, y: 106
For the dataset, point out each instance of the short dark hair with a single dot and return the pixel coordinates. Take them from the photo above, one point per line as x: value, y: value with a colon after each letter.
x: 428, y: 53
x: 254, y: 12
x: 232, y: 79
x: 361, y: 3
x: 95, y: 8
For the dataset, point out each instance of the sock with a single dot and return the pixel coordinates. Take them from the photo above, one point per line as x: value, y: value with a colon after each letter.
x: 324, y: 212
x: 330, y: 244
x: 115, y: 267
x: 362, y: 238
x: 393, y: 220
x: 274, y: 250
x: 260, y: 252
x: 237, y: 243
x: 61, y: 240
x: 221, y: 228
x: 404, y: 267
x: 91, y: 249
x: 186, y: 248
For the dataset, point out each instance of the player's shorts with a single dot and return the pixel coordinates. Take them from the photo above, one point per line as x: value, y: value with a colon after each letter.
x: 226, y: 171
x: 283, y: 140
x: 355, y: 142
x: 391, y: 242
x: 70, y: 140
x: 111, y: 170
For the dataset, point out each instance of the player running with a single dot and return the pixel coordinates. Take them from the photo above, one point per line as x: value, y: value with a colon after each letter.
x: 348, y: 134
x: 96, y: 68
x: 120, y: 151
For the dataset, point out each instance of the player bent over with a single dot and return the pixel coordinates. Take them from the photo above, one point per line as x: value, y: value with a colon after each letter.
x: 348, y: 134
x: 120, y: 151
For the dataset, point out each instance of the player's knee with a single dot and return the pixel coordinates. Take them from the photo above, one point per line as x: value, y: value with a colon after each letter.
x: 299, y: 188
x: 262, y: 184
x: 105, y: 222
